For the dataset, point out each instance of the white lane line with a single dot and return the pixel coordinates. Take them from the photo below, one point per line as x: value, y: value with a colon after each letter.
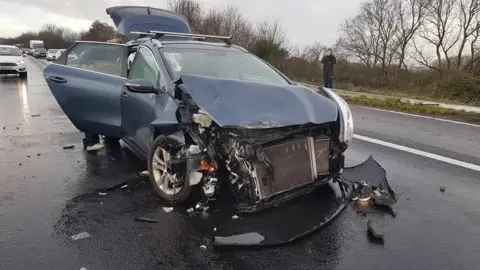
x: 419, y: 116
x: 39, y: 62
x: 420, y: 153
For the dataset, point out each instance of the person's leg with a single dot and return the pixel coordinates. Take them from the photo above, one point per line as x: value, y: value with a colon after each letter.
x: 330, y: 81
x: 91, y: 142
x: 325, y: 79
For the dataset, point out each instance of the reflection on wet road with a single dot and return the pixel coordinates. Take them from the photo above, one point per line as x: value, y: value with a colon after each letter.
x: 49, y: 194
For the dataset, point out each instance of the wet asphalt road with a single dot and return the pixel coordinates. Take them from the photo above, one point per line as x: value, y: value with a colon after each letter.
x: 49, y: 194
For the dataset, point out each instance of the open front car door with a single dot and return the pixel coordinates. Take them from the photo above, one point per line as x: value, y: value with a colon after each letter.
x: 87, y: 82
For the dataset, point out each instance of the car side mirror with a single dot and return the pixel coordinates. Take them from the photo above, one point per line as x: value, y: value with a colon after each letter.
x: 141, y: 86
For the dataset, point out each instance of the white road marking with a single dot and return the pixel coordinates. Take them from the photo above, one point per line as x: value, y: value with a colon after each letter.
x: 419, y: 116
x: 419, y: 152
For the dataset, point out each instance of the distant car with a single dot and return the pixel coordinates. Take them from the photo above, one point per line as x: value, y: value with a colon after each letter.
x: 11, y: 61
x: 39, y: 52
x: 28, y: 51
x: 51, y: 54
x: 58, y: 53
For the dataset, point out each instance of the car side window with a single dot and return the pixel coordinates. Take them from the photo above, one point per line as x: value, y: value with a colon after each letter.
x: 144, y: 66
x: 99, y: 57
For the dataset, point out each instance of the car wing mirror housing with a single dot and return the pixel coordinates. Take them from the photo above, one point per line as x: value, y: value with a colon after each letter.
x: 141, y: 86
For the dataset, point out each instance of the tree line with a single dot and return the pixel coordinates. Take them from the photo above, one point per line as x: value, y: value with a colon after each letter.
x: 423, y: 46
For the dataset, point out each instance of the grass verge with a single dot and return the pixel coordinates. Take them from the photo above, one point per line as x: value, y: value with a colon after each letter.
x: 397, y: 105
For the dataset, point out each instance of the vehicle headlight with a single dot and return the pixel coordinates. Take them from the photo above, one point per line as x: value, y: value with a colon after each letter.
x: 346, y: 120
x: 21, y: 62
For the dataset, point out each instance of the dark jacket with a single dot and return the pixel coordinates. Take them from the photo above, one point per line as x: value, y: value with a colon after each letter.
x: 328, y: 61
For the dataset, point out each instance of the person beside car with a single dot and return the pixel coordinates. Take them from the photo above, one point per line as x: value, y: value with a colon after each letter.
x: 91, y: 142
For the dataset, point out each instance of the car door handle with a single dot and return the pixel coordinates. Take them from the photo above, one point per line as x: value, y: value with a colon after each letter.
x: 57, y: 79
x: 124, y: 94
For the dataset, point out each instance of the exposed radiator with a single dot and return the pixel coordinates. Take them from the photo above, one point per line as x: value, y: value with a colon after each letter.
x: 293, y: 164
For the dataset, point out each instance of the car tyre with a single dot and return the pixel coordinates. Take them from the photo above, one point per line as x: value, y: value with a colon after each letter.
x: 22, y: 75
x: 159, y: 153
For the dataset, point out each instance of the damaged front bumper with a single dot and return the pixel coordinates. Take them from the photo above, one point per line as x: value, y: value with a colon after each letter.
x: 303, y: 215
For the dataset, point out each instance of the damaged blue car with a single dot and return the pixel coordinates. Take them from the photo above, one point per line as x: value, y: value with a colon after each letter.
x: 203, y: 113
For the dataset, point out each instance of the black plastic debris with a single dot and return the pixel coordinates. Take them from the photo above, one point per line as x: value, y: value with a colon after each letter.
x: 442, y: 189
x: 375, y: 231
x: 35, y: 115
x: 368, y: 181
x: 146, y: 219
x: 69, y: 147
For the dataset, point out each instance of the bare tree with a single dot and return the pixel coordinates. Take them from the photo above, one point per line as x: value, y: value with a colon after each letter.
x: 440, y: 32
x: 360, y: 39
x: 271, y: 31
x: 228, y: 22
x: 385, y: 21
x: 410, y: 17
x: 312, y: 53
x: 99, y: 31
x: 191, y: 9
x: 469, y: 22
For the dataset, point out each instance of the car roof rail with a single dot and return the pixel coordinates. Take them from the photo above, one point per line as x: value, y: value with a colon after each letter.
x: 159, y: 34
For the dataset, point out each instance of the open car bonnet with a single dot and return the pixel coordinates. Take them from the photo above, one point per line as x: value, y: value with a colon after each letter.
x: 143, y: 19
x: 242, y: 104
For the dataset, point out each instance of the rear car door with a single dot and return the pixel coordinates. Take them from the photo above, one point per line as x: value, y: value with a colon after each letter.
x: 138, y: 109
x: 87, y: 82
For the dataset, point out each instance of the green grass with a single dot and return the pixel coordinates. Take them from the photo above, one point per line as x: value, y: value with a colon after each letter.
x: 396, y: 104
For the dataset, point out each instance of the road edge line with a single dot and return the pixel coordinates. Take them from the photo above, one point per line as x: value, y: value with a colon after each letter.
x: 452, y: 161
x: 417, y: 115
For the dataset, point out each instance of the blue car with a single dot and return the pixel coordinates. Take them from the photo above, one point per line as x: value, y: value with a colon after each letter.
x: 201, y: 112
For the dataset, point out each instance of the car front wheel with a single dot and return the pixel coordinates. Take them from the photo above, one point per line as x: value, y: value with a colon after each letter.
x: 170, y: 186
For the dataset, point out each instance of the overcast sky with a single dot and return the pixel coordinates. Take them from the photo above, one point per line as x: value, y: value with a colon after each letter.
x: 304, y: 20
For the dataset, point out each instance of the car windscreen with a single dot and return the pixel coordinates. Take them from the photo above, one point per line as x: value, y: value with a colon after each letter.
x: 9, y: 51
x: 41, y: 50
x: 52, y: 50
x: 235, y: 65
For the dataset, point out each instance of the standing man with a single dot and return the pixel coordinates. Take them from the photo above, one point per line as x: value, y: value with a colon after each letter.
x: 328, y: 61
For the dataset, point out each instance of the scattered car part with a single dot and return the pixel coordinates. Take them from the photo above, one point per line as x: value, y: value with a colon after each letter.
x: 146, y: 219
x: 374, y: 229
x: 80, y: 236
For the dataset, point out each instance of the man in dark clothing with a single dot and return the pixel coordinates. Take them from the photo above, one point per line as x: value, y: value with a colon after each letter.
x: 328, y: 61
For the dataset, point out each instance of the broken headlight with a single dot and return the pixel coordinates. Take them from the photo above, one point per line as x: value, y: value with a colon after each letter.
x: 346, y: 120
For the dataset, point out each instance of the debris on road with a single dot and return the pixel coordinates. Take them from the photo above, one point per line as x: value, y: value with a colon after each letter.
x: 102, y: 193
x: 442, y: 189
x: 167, y: 209
x: 146, y: 219
x: 35, y: 115
x: 124, y: 186
x: 69, y: 147
x: 375, y: 230
x: 215, y: 229
x: 39, y: 154
x: 251, y: 238
x: 203, y: 247
x: 235, y: 217
x: 190, y: 210
x: 83, y: 268
x: 80, y: 236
